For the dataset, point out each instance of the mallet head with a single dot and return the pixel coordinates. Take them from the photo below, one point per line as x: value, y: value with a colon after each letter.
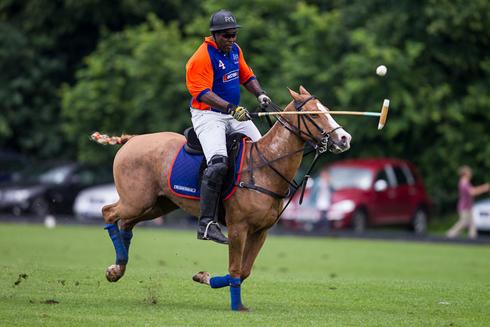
x: 384, y: 114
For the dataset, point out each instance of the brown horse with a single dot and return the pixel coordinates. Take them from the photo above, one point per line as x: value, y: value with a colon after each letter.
x: 142, y: 164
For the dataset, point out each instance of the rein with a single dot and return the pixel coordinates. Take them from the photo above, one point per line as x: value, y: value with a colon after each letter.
x: 318, y: 145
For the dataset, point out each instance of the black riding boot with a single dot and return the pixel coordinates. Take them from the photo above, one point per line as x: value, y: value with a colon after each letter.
x: 212, y: 182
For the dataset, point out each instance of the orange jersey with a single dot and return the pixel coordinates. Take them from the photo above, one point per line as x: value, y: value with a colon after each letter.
x: 209, y: 69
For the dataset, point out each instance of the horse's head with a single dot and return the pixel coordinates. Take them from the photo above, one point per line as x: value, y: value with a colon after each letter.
x: 320, y: 128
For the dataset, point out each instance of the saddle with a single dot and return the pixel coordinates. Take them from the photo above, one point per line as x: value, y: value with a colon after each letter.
x: 185, y: 174
x: 193, y: 146
x: 184, y: 178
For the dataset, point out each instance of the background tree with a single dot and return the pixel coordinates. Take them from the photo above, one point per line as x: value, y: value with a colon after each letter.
x: 42, y: 44
x: 436, y: 53
x: 133, y: 83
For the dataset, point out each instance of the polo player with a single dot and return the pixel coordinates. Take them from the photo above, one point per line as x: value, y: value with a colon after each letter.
x: 214, y: 74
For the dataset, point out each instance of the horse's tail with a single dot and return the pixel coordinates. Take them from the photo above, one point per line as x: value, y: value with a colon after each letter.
x: 112, y: 140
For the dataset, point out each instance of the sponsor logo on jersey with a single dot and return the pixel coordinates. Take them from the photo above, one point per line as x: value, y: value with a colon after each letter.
x: 230, y: 76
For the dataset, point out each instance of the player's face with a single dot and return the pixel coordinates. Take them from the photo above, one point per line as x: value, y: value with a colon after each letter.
x: 225, y: 39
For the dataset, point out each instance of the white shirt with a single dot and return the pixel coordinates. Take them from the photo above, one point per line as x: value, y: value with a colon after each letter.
x: 324, y: 197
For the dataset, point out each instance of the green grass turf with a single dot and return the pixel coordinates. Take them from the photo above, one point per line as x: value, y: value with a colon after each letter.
x: 296, y: 281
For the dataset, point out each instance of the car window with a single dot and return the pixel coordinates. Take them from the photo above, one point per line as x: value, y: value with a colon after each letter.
x: 401, y: 178
x: 408, y: 173
x: 350, y: 178
x: 56, y: 175
x: 391, y: 176
x: 93, y: 175
x: 85, y: 177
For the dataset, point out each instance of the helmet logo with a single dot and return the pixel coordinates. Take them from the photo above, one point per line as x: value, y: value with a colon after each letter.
x: 229, y: 19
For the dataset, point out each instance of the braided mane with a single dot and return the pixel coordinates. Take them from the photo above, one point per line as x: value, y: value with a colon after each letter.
x: 112, y: 140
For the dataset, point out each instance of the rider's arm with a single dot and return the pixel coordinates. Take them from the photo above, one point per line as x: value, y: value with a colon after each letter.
x: 215, y: 101
x: 253, y: 86
x: 247, y: 77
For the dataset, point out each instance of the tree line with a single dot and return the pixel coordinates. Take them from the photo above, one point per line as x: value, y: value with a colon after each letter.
x: 69, y: 68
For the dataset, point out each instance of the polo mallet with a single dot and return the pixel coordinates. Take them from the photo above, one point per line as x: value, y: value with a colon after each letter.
x: 381, y: 123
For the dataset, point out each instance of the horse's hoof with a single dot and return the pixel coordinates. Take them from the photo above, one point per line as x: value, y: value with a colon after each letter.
x: 202, y: 277
x: 114, y: 272
x: 242, y: 308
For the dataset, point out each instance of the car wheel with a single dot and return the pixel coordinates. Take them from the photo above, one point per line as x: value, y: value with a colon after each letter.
x: 359, y: 221
x: 40, y: 207
x: 419, y: 222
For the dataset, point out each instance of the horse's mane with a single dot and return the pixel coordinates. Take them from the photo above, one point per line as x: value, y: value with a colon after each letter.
x: 112, y: 140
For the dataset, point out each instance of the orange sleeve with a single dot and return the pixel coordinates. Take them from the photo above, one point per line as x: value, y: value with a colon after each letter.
x: 199, y: 72
x: 246, y: 72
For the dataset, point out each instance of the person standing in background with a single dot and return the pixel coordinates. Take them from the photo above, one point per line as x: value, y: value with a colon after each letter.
x: 323, y: 197
x: 465, y: 203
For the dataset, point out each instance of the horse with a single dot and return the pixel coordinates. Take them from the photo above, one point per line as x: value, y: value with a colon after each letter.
x: 141, y: 167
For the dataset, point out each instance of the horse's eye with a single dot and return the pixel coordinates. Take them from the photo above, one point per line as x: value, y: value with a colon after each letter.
x: 314, y: 116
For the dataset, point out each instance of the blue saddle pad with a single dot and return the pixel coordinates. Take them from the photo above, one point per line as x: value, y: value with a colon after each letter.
x: 184, y: 180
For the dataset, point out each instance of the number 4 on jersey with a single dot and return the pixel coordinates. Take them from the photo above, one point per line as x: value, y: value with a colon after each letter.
x: 221, y: 65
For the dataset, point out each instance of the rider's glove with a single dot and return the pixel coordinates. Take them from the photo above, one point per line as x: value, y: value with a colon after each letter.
x: 264, y: 100
x: 239, y: 113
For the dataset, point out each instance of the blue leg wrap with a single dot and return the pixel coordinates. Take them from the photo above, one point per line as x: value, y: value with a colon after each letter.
x: 126, y: 237
x: 219, y: 281
x: 117, y: 240
x: 235, y: 294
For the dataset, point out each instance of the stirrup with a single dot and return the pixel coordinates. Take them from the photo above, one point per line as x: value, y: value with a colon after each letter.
x: 205, y: 235
x: 218, y: 236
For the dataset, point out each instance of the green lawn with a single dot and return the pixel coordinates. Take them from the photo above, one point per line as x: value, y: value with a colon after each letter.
x: 296, y: 281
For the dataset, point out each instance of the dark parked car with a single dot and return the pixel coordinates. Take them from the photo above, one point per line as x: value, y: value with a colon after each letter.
x: 50, y: 188
x: 370, y: 192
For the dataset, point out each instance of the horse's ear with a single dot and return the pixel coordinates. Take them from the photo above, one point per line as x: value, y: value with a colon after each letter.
x: 294, y: 95
x: 302, y: 90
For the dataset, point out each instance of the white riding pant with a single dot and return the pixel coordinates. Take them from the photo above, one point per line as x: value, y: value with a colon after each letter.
x: 212, y: 127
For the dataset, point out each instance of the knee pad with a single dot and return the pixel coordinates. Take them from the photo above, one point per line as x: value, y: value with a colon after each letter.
x: 216, y: 171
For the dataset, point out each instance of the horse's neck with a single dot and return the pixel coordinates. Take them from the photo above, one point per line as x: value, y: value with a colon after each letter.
x: 280, y: 142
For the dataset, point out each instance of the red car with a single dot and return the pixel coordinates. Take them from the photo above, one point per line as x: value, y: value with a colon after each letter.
x: 367, y: 192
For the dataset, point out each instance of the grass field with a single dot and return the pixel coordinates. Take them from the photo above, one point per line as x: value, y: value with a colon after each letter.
x: 296, y: 281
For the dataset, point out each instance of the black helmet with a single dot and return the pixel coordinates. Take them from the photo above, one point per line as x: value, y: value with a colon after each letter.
x: 222, y: 20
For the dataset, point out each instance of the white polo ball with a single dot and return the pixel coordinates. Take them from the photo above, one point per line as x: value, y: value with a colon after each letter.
x: 50, y: 222
x: 381, y: 70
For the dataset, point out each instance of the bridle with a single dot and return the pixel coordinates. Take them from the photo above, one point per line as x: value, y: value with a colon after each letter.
x: 319, y: 145
x: 323, y: 142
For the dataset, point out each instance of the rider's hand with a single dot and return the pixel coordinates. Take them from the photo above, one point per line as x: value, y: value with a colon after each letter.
x: 264, y: 100
x: 239, y: 113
